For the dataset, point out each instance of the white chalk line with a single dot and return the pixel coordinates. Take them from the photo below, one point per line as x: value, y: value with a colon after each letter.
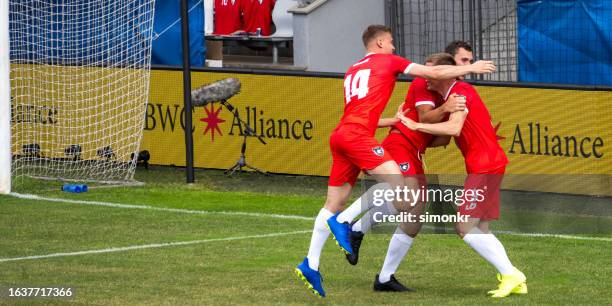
x: 543, y: 235
x: 148, y: 246
x: 147, y: 207
x: 260, y: 215
x: 561, y: 236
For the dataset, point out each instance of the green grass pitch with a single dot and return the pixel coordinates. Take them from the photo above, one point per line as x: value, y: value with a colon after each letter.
x: 242, y: 257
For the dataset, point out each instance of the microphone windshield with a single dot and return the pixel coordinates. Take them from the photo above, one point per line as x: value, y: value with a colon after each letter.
x: 215, y: 92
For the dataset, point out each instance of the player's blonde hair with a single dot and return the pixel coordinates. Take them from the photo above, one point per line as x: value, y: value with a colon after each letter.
x: 441, y: 59
x: 372, y: 32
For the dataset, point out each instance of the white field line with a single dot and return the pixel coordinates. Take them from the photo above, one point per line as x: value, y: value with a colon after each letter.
x: 560, y: 236
x: 260, y: 215
x: 147, y: 207
x: 572, y: 237
x: 149, y: 246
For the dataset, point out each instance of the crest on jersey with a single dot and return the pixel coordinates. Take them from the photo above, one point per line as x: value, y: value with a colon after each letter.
x: 379, y: 151
x: 404, y: 166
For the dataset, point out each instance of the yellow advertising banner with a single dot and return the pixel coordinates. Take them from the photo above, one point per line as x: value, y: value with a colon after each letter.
x: 294, y: 116
x: 57, y: 108
x: 543, y: 131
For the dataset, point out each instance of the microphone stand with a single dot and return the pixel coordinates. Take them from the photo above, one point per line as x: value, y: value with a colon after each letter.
x: 248, y: 131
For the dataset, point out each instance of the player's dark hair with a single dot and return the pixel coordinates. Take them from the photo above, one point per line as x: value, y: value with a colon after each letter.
x: 441, y: 59
x: 454, y: 47
x: 372, y: 32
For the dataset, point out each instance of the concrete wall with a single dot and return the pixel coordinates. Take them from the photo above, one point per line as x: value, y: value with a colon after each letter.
x: 328, y: 38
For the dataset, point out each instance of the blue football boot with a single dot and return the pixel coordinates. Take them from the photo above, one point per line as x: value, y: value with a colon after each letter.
x: 341, y: 233
x: 312, y: 278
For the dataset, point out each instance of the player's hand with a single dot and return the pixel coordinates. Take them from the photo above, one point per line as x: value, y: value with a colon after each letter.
x: 481, y: 67
x: 409, y: 123
x: 400, y: 112
x: 455, y: 103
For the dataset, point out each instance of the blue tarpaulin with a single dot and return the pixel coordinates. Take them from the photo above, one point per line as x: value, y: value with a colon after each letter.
x: 78, y: 35
x: 167, y: 48
x: 566, y: 42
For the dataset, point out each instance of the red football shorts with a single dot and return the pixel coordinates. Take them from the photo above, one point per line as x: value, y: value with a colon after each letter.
x: 406, y: 156
x: 353, y: 150
x: 404, y: 153
x: 486, y: 206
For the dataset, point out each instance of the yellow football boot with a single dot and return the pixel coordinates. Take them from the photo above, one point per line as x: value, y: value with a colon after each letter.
x: 512, y: 283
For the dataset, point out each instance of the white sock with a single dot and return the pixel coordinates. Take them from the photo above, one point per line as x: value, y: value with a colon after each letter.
x: 319, y: 236
x: 490, y: 249
x: 398, y: 247
x: 365, y: 223
x: 364, y: 203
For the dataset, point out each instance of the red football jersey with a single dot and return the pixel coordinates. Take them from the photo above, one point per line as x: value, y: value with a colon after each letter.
x: 258, y: 14
x: 368, y: 85
x: 228, y: 14
x: 478, y: 140
x: 418, y: 95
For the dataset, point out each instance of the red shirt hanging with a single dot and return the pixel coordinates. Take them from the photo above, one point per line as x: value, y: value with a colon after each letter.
x: 258, y: 14
x: 227, y: 16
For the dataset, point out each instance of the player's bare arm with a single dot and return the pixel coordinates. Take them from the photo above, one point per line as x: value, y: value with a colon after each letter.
x: 452, y: 127
x: 429, y: 114
x: 388, y: 122
x: 442, y: 72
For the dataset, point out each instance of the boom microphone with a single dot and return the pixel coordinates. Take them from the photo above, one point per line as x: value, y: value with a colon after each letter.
x: 215, y: 92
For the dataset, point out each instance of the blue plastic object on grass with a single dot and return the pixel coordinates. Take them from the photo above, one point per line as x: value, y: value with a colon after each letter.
x: 74, y: 188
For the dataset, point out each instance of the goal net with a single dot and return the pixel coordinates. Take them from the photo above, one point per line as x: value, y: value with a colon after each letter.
x: 79, y: 76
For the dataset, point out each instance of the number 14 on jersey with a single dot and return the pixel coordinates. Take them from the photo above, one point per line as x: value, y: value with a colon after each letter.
x: 356, y: 85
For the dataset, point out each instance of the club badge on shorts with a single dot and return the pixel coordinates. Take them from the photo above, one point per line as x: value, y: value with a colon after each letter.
x: 471, y: 206
x: 379, y: 151
x: 404, y: 166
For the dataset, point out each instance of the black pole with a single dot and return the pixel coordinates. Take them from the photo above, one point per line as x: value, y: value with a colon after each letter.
x: 480, y: 37
x: 187, y: 92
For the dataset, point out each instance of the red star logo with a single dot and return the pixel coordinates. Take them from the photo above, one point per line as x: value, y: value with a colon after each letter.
x: 212, y: 121
x: 499, y: 137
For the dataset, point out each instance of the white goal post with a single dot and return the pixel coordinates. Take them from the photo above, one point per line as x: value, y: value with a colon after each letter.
x: 79, y: 85
x: 5, y: 102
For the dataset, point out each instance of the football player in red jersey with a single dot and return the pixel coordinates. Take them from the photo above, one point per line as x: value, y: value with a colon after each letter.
x: 461, y: 52
x: 368, y: 85
x: 407, y: 148
x: 485, y: 163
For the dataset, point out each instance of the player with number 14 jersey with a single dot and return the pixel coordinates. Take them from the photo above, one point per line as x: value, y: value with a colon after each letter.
x: 368, y: 85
